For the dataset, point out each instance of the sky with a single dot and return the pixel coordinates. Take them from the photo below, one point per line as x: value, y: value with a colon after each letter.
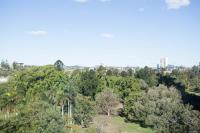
x: 93, y: 32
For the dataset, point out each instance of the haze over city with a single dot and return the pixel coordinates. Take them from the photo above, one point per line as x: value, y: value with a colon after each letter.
x: 91, y: 32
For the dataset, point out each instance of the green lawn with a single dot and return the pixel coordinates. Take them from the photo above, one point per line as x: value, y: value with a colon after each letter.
x: 115, y: 124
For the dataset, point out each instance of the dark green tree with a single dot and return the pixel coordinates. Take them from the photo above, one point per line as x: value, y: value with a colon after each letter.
x: 59, y: 65
x: 148, y: 75
x: 5, y: 64
x: 84, y: 110
x: 88, y: 83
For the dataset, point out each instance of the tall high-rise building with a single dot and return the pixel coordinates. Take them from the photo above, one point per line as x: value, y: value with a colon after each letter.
x: 164, y: 62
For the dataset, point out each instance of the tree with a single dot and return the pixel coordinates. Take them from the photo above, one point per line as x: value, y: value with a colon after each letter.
x: 162, y: 109
x: 59, y: 65
x: 115, y: 72
x: 17, y: 66
x: 84, y: 110
x: 38, y: 83
x: 71, y: 90
x: 109, y: 72
x: 130, y: 72
x: 124, y: 74
x: 101, y: 71
x: 189, y: 78
x: 34, y: 118
x: 124, y: 86
x: 14, y: 65
x: 148, y: 75
x: 5, y: 65
x: 7, y: 99
x: 88, y: 83
x: 106, y: 101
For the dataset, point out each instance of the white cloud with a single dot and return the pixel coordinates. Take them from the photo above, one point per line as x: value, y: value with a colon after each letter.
x: 39, y: 33
x: 107, y: 35
x: 81, y: 1
x: 176, y: 4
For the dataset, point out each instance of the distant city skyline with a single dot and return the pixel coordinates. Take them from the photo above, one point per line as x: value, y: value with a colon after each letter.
x: 91, y: 32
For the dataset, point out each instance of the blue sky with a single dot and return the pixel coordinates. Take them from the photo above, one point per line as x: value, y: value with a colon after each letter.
x: 91, y: 32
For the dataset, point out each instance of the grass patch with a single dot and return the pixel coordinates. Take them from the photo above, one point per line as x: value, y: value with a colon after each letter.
x: 115, y: 124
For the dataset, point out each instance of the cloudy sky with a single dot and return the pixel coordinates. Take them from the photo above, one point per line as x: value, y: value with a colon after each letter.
x: 91, y: 32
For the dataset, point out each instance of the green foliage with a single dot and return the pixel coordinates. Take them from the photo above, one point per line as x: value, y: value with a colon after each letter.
x: 38, y: 83
x: 124, y: 86
x: 167, y: 80
x: 59, y: 65
x: 106, y: 101
x: 37, y: 117
x: 84, y: 110
x: 30, y: 101
x: 148, y: 75
x: 88, y: 83
x: 130, y: 72
x: 5, y: 65
x: 112, y: 72
x: 5, y: 73
x: 7, y: 98
x: 124, y: 74
x: 162, y: 109
x: 101, y: 71
x: 5, y: 68
x: 109, y: 72
x: 190, y: 78
x: 17, y: 66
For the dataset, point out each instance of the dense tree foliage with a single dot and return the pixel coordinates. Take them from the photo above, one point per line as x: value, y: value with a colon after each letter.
x: 84, y: 110
x: 190, y: 78
x: 124, y: 86
x: 49, y: 85
x: 51, y: 99
x: 38, y: 83
x: 88, y: 83
x: 5, y: 69
x: 35, y: 117
x: 148, y: 75
x: 5, y: 65
x: 162, y: 108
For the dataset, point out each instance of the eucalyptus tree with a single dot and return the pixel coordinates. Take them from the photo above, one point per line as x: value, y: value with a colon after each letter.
x: 84, y: 110
x: 106, y: 101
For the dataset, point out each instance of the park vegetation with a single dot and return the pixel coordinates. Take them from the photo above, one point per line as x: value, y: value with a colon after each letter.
x: 48, y: 99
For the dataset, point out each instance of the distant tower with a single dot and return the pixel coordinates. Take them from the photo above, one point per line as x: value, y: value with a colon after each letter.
x: 164, y: 62
x: 158, y: 67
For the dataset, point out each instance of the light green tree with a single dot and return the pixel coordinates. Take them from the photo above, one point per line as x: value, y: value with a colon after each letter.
x: 106, y: 101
